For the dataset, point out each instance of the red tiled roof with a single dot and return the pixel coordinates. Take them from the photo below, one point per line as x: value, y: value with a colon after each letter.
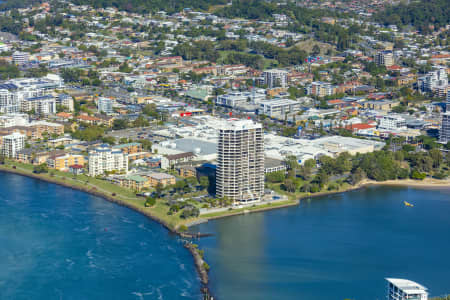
x: 394, y: 68
x: 64, y: 115
x: 76, y: 167
x: 335, y: 101
x: 88, y: 118
x: 359, y: 126
x: 441, y: 56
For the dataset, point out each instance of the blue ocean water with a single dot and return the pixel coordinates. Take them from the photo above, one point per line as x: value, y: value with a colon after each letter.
x: 57, y: 243
x: 334, y: 247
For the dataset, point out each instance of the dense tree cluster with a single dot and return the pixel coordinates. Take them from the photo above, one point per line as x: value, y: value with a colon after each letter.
x: 81, y: 76
x: 285, y: 57
x: 206, y: 50
x: 252, y: 60
x: 90, y: 133
x: 249, y: 9
x: 10, y: 4
x: 169, y: 6
x: 8, y: 71
x: 380, y: 165
x: 304, y: 20
x: 10, y: 24
x: 420, y: 14
x: 203, y: 50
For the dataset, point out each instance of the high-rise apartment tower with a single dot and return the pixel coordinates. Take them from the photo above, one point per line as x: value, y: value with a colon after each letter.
x: 240, y: 162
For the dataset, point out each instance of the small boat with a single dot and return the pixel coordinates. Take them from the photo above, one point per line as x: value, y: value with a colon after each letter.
x: 408, y: 204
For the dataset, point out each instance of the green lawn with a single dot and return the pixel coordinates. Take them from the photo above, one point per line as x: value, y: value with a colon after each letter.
x: 298, y: 195
x: 251, y: 208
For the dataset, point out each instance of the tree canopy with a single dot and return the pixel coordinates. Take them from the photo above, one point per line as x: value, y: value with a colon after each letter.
x: 169, y: 6
x: 420, y: 14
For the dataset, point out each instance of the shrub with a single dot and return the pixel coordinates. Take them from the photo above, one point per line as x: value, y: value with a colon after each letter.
x: 174, y: 208
x: 408, y: 148
x: 315, y: 188
x: 418, y: 175
x: 201, y: 253
x: 182, y: 228
x: 333, y: 186
x: 150, y: 202
x: 402, y: 173
x: 206, y: 266
x: 42, y: 168
x: 440, y: 175
x: 190, y: 212
x: 275, y: 177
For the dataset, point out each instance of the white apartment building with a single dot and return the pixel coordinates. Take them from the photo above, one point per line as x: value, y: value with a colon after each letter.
x: 12, y: 143
x: 320, y: 88
x: 105, y: 159
x: 42, y: 105
x: 447, y: 104
x: 65, y: 101
x: 403, y: 289
x: 105, y: 105
x: 434, y: 81
x: 240, y: 162
x: 15, y: 91
x: 240, y: 98
x: 275, y: 78
x: 9, y: 102
x: 384, y: 58
x: 279, y: 107
x: 13, y: 120
x: 392, y: 122
x: 444, y: 132
x: 20, y: 58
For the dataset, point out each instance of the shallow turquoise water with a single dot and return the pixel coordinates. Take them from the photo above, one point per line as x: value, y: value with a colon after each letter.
x: 333, y: 247
x: 58, y: 243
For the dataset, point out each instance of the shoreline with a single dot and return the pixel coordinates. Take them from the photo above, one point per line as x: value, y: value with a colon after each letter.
x: 426, y: 183
x: 250, y: 211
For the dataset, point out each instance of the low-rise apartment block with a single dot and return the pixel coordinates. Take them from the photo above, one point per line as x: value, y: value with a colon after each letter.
x: 392, y: 122
x: 129, y: 148
x: 63, y: 162
x: 279, y: 107
x: 104, y: 159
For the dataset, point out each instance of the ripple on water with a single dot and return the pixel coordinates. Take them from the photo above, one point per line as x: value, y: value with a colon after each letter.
x: 86, y: 228
x: 141, y: 295
x: 66, y: 240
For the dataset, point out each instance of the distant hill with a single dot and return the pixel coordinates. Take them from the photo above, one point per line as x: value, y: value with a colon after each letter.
x: 420, y: 14
x: 169, y: 6
x: 142, y: 6
x: 9, y: 4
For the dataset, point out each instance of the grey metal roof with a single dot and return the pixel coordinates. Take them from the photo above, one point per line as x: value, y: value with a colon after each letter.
x: 8, y: 86
x: 190, y: 145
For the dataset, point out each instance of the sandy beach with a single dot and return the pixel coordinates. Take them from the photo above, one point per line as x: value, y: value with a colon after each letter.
x: 427, y: 182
